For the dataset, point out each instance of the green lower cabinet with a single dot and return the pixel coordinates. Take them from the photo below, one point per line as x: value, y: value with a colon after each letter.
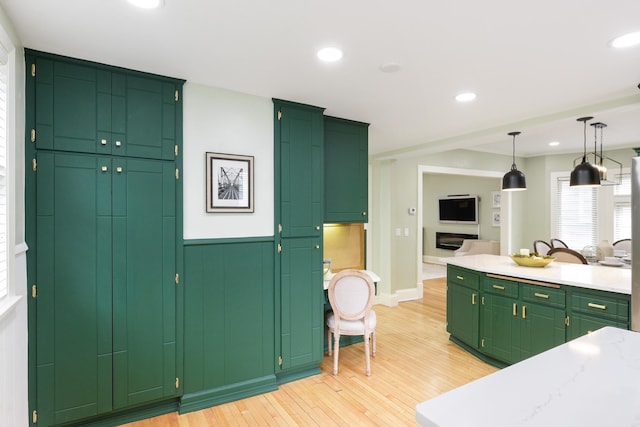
x: 581, y: 325
x: 463, y: 313
x: 541, y: 328
x: 301, y: 304
x: 500, y: 328
x: 517, y: 319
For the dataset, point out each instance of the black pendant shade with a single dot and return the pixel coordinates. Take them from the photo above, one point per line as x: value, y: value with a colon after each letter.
x: 514, y: 180
x: 585, y: 174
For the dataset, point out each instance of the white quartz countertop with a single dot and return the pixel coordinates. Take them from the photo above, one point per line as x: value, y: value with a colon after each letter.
x: 592, y: 381
x: 600, y: 277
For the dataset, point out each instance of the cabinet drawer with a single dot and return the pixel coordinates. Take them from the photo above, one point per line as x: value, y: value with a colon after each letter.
x: 463, y: 277
x: 500, y: 287
x: 542, y: 295
x: 601, y: 305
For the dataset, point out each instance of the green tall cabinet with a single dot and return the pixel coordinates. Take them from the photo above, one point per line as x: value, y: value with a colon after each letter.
x: 102, y: 227
x: 299, y: 132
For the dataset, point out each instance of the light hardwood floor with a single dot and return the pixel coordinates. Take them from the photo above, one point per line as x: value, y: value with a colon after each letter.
x: 415, y: 361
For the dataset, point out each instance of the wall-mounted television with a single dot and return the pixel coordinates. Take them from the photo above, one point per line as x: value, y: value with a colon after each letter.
x: 459, y: 209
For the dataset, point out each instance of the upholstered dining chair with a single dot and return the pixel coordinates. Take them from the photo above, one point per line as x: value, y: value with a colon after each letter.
x: 557, y: 243
x: 622, y: 245
x: 567, y: 255
x: 351, y: 294
x: 541, y: 247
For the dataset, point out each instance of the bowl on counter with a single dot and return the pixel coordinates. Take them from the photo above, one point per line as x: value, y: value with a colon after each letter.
x: 532, y: 260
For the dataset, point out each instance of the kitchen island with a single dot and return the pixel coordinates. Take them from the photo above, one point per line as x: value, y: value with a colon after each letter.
x: 592, y: 381
x: 504, y: 313
x: 598, y: 277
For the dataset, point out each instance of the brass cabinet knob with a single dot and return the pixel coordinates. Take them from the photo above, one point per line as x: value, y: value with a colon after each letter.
x: 119, y: 169
x: 104, y: 168
x: 103, y: 141
x: 118, y: 143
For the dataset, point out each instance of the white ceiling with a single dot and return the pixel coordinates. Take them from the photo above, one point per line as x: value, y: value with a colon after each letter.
x: 535, y: 65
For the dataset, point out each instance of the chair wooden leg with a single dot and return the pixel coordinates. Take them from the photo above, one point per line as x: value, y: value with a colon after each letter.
x: 329, y: 340
x: 366, y: 354
x: 373, y: 339
x: 336, y: 349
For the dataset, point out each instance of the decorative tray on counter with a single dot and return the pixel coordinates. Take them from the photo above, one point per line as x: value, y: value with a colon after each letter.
x: 532, y: 260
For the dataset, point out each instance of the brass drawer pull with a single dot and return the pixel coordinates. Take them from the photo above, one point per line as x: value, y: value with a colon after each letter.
x: 515, y: 309
x: 459, y: 277
x: 524, y: 311
x: 473, y: 299
x: 600, y: 306
x: 539, y: 295
x: 498, y: 287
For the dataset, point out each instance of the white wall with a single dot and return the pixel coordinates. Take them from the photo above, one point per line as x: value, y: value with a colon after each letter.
x: 222, y: 121
x: 13, y: 321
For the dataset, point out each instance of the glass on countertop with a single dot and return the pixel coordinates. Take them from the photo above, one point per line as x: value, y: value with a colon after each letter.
x: 590, y: 253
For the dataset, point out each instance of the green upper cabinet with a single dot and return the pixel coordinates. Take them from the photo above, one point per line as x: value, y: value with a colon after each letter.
x: 346, y: 149
x: 85, y: 108
x: 299, y: 146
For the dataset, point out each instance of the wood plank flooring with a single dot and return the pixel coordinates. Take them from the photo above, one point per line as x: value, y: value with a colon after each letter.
x: 415, y: 361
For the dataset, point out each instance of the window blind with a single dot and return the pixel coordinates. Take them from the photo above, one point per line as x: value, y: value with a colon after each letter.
x: 3, y: 175
x: 622, y: 208
x: 576, y: 214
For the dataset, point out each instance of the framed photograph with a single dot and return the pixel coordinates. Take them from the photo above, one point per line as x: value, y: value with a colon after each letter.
x: 495, y: 198
x: 229, y: 183
x: 495, y: 218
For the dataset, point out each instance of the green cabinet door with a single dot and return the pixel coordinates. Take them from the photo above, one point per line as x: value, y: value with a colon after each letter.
x: 74, y: 276
x: 500, y: 327
x: 581, y: 324
x: 301, y: 302
x: 299, y: 145
x: 83, y: 107
x: 144, y: 289
x: 106, y: 291
x: 541, y: 328
x: 463, y: 313
x: 346, y: 150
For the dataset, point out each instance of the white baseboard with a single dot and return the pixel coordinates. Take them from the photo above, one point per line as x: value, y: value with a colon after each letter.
x: 434, y: 259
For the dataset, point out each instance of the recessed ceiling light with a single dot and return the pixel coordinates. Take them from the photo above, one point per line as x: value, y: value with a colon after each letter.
x: 554, y: 144
x: 627, y: 40
x: 466, y: 97
x: 147, y: 4
x: 330, y: 54
x: 390, y: 67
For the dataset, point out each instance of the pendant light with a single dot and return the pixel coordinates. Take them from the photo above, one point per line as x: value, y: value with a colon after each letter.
x: 514, y: 179
x: 585, y: 174
x: 604, y: 163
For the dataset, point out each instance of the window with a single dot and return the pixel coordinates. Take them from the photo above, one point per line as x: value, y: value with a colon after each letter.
x: 4, y: 241
x: 622, y: 208
x: 582, y: 216
x: 576, y: 213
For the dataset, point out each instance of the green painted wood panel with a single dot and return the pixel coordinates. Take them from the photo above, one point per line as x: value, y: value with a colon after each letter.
x: 74, y: 305
x: 301, y: 305
x: 67, y: 105
x: 301, y: 131
x: 500, y: 327
x: 144, y: 286
x: 542, y: 328
x: 229, y: 315
x: 80, y: 107
x: 346, y: 150
x: 463, y: 313
x: 581, y: 324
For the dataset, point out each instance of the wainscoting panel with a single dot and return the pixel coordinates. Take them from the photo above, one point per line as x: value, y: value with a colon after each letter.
x: 229, y: 320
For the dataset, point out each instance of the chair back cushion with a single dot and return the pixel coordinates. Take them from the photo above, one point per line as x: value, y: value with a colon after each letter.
x: 351, y: 294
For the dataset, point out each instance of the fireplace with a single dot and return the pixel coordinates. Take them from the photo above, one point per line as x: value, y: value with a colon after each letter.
x: 452, y: 241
